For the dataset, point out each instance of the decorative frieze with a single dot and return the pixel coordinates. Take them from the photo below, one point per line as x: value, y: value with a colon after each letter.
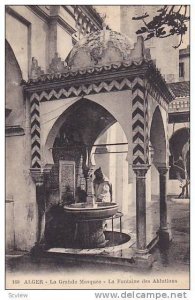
x: 69, y: 74
x: 56, y: 94
x: 73, y: 82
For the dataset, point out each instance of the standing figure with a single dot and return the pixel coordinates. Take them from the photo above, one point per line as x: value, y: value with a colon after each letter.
x: 102, y: 187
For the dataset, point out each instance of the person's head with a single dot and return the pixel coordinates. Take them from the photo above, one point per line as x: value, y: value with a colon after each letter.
x: 98, y: 173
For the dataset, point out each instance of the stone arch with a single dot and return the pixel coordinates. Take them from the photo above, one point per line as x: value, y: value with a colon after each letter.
x: 179, y: 137
x: 158, y: 139
x: 110, y: 119
x: 177, y: 141
x: 9, y: 53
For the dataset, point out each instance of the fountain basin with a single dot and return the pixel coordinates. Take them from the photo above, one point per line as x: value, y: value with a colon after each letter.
x: 90, y: 222
x: 83, y: 211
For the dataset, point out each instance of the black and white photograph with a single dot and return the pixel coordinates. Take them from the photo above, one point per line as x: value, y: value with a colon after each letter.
x: 97, y: 147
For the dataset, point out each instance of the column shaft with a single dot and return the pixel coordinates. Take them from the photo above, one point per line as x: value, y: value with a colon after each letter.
x: 141, y: 213
x: 141, y: 207
x: 37, y: 176
x: 163, y: 197
x: 164, y: 234
x: 40, y: 197
x: 163, y: 201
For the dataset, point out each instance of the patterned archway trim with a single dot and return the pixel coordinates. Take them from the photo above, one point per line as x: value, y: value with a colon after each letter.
x: 86, y: 90
x: 53, y: 94
x: 35, y: 132
x: 57, y: 90
x: 98, y: 75
x: 141, y: 89
x: 140, y: 122
x: 147, y: 138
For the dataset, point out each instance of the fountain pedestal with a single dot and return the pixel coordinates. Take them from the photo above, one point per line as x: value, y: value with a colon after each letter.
x: 91, y: 234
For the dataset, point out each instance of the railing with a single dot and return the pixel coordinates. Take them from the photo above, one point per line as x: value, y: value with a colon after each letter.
x: 179, y: 105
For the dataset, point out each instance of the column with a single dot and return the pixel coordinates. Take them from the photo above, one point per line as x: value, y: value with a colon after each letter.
x: 164, y: 234
x: 140, y: 172
x: 38, y: 178
x: 142, y: 258
x: 40, y: 198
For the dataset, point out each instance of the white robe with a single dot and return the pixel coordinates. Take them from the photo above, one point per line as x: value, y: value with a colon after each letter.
x: 102, y: 190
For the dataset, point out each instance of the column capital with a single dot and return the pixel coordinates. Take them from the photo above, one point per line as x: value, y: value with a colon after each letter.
x: 163, y: 170
x: 140, y: 170
x: 47, y: 169
x: 37, y: 176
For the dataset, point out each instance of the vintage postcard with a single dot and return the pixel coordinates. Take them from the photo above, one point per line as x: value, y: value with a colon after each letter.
x: 97, y: 147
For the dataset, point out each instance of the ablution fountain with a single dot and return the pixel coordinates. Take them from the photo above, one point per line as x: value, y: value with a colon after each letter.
x: 90, y: 217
